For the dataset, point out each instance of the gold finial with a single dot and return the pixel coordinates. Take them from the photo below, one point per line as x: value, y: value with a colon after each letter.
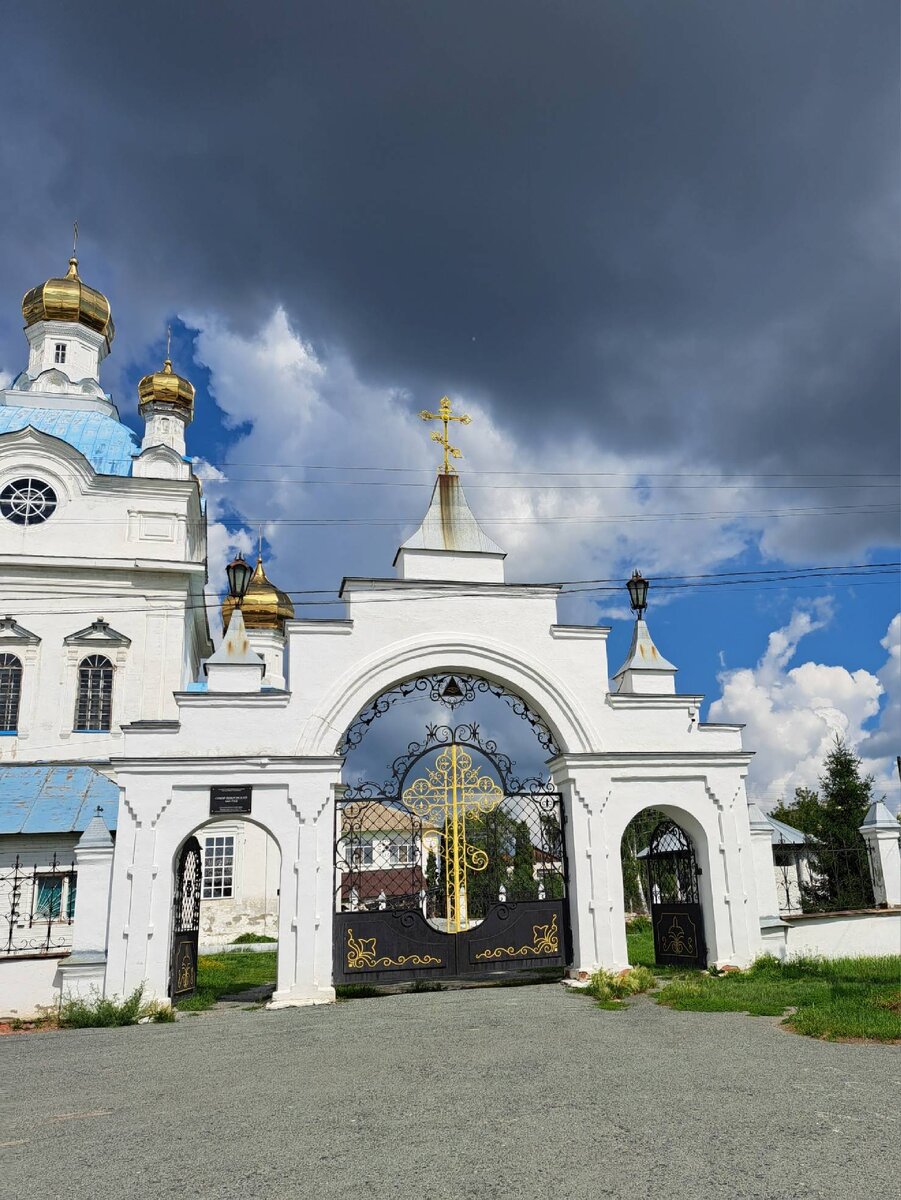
x: 445, y: 415
x: 72, y: 273
x: 167, y: 365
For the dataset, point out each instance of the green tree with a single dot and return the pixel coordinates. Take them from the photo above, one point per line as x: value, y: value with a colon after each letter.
x: 636, y: 837
x: 832, y: 818
x: 431, y: 884
x: 522, y: 884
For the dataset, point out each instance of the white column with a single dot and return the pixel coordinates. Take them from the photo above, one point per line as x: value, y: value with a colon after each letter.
x: 764, y: 869
x: 84, y: 971
x: 881, y: 832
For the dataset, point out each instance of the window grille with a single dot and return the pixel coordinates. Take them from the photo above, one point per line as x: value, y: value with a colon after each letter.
x: 54, y: 897
x: 10, y: 692
x: 94, y: 704
x: 59, y: 352
x: 27, y: 501
x: 219, y: 867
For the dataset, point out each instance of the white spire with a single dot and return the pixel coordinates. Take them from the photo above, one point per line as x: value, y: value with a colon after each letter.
x: 645, y: 671
x: 450, y: 544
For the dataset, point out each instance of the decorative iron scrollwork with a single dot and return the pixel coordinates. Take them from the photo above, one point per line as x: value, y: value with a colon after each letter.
x: 362, y: 954
x: 469, y: 736
x: 545, y: 942
x: 451, y: 690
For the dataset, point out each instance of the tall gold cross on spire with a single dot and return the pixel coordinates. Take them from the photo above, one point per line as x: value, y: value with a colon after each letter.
x: 445, y: 415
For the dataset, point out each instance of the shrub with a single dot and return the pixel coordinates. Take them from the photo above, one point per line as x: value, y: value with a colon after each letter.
x: 252, y: 939
x: 98, y: 1011
x: 639, y: 924
x: 610, y: 989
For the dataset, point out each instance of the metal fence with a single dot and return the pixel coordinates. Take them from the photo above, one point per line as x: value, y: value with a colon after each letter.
x: 814, y: 879
x: 37, y: 908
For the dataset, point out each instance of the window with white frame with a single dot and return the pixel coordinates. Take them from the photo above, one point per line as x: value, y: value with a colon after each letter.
x: 219, y: 867
x: 94, y: 699
x: 59, y: 352
x: 360, y: 850
x: 10, y: 692
x: 401, y: 851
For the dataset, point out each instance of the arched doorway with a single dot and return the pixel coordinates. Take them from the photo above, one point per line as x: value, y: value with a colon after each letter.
x: 661, y: 893
x: 226, y: 895
x: 454, y: 864
x: 677, y: 919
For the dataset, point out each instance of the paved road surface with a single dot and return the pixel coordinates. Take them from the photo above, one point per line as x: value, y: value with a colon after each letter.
x: 520, y: 1092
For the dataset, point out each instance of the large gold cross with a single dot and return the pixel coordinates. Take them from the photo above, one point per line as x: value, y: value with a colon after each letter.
x: 450, y: 792
x: 444, y: 414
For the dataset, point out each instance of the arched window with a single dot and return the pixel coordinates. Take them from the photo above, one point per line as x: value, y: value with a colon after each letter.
x: 10, y: 692
x: 94, y: 703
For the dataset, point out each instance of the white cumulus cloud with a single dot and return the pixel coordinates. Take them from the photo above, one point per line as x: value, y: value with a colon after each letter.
x: 792, y: 713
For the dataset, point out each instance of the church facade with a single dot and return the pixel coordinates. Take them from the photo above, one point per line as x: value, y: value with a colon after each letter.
x: 107, y: 664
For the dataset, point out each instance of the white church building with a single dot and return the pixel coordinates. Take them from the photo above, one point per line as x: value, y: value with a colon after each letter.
x: 221, y: 774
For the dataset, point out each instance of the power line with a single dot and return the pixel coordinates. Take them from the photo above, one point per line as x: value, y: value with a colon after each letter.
x: 637, y: 473
x: 636, y: 518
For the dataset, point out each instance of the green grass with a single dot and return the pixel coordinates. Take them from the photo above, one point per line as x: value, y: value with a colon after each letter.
x: 841, y: 998
x: 227, y: 974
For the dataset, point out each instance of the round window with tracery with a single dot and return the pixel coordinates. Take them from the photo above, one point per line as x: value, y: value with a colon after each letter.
x: 27, y: 501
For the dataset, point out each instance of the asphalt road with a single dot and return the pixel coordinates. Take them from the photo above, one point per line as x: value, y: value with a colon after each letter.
x: 520, y: 1092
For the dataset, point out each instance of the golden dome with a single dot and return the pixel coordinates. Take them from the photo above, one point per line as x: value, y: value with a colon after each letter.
x: 165, y: 385
x: 265, y: 606
x: 69, y: 300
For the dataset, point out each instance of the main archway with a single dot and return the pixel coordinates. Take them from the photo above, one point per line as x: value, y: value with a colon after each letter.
x: 454, y: 864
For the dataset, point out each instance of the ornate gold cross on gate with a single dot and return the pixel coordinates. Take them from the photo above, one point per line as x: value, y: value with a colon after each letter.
x: 450, y: 792
x: 444, y: 414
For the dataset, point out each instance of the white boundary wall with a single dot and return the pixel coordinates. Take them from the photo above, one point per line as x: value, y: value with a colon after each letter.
x: 29, y: 984
x: 835, y: 935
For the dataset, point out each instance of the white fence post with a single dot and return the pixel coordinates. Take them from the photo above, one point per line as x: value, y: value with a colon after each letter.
x: 84, y: 971
x: 882, y: 832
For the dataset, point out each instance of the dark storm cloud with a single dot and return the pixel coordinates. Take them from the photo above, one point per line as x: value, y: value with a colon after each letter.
x: 671, y: 224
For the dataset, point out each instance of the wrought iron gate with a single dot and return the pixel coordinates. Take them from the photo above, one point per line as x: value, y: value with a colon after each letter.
x: 449, y: 869
x: 186, y: 921
x: 675, y: 903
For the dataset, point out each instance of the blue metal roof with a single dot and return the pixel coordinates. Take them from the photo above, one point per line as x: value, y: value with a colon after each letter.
x: 54, y: 799
x: 106, y: 443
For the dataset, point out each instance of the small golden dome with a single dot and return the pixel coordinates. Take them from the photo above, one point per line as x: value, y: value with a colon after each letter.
x: 165, y: 385
x: 265, y: 606
x: 69, y: 300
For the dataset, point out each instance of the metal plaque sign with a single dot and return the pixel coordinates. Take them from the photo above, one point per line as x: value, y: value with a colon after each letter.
x: 230, y: 800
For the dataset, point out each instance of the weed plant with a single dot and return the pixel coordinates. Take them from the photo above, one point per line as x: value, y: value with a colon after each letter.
x: 99, y: 1011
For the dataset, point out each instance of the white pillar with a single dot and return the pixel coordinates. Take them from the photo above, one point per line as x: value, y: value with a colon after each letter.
x: 764, y: 867
x: 84, y: 971
x: 882, y: 832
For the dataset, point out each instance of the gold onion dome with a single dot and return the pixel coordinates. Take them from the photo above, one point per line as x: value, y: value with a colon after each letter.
x: 167, y: 387
x: 264, y: 607
x: 69, y: 299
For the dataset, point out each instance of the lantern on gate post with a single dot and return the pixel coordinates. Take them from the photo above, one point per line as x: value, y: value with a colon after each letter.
x: 238, y: 572
x: 638, y: 593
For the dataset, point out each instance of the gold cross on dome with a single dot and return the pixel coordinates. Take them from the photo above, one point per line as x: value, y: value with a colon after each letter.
x: 445, y: 415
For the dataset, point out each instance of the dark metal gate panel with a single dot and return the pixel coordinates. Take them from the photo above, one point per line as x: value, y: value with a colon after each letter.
x: 458, y: 872
x: 676, y: 915
x: 396, y: 946
x: 186, y: 921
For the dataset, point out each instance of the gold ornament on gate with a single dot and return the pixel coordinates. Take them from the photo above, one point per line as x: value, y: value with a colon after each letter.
x: 450, y: 793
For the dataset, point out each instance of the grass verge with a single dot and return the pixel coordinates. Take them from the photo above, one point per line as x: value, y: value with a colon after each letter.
x: 221, y: 975
x: 838, y: 998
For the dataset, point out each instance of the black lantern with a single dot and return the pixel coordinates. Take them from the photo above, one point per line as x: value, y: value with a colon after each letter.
x: 239, y: 574
x: 638, y: 593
